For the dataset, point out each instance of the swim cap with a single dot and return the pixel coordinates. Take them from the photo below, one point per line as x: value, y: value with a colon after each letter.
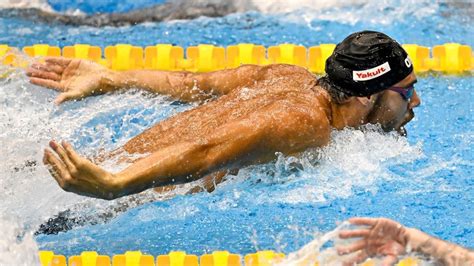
x: 367, y: 62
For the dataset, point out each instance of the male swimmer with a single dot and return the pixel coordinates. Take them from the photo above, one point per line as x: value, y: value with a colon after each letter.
x: 248, y: 113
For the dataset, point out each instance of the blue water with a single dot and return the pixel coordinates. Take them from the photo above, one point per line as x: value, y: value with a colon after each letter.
x: 424, y: 181
x: 101, y: 6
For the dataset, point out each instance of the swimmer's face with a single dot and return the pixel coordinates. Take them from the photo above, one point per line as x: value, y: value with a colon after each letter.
x: 392, y: 109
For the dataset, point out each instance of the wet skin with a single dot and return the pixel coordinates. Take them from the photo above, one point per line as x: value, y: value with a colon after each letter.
x: 388, y: 240
x: 246, y: 116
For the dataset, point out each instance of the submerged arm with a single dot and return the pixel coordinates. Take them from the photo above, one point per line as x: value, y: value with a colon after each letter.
x: 77, y: 79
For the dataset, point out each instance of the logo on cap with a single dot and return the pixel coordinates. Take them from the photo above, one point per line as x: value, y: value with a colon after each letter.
x: 408, y: 62
x: 368, y: 74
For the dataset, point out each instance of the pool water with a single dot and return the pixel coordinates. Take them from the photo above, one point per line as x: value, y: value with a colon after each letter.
x: 423, y: 181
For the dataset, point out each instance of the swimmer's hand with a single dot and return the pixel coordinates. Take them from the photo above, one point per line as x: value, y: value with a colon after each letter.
x: 383, y: 237
x: 79, y: 175
x: 74, y: 78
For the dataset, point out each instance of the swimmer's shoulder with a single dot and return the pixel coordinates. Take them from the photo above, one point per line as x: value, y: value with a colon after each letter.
x: 292, y: 73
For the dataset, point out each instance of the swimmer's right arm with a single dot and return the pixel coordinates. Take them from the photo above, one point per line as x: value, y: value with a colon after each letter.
x: 77, y: 79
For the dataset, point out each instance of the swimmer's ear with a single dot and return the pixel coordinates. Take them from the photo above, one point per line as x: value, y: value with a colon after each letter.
x: 348, y: 99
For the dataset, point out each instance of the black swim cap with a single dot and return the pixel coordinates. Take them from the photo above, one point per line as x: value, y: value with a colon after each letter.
x: 367, y: 62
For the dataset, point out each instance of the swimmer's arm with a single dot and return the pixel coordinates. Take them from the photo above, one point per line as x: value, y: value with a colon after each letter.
x: 188, y: 161
x: 254, y: 139
x: 182, y: 85
x: 77, y: 79
x: 234, y: 145
x: 447, y: 253
x: 208, y: 183
x: 389, y: 239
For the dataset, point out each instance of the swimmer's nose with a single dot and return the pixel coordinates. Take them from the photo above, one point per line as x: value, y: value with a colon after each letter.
x: 414, y: 101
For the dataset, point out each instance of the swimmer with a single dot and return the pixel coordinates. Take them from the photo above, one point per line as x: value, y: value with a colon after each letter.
x: 389, y: 239
x: 246, y: 115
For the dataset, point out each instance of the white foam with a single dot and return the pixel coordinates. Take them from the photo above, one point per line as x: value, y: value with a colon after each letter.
x: 353, y: 160
x: 299, y: 11
x: 16, y: 246
x: 40, y: 4
x: 322, y: 249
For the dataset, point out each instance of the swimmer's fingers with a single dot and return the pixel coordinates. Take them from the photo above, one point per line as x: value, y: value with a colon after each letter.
x: 58, y: 60
x: 359, y: 245
x: 354, y: 233
x: 63, y: 156
x: 34, y: 73
x: 360, y: 257
x: 47, y: 83
x: 56, y: 168
x: 363, y: 221
x: 68, y: 95
x: 75, y: 158
x: 48, y: 67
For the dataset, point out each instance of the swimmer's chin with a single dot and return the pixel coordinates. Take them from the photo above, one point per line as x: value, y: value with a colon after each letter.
x: 402, y: 131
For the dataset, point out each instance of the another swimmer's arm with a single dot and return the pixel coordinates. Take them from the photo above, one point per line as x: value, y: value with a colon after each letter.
x: 389, y: 239
x: 447, y: 253
x: 186, y: 86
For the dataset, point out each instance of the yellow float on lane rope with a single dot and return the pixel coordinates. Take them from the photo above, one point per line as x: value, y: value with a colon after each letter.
x: 42, y: 50
x: 220, y: 258
x: 133, y: 258
x: 124, y: 57
x: 318, y: 55
x: 450, y: 58
x: 263, y: 258
x: 245, y: 53
x: 288, y: 54
x: 177, y: 258
x: 420, y: 56
x: 83, y: 51
x: 89, y: 258
x: 205, y: 58
x: 180, y: 258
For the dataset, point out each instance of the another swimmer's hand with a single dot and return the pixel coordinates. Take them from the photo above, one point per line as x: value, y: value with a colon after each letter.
x: 74, y: 78
x: 79, y: 175
x: 383, y: 237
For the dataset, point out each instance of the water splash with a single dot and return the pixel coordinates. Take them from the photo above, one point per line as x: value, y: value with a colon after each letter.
x: 17, y: 247
x: 313, y: 252
x: 40, y: 4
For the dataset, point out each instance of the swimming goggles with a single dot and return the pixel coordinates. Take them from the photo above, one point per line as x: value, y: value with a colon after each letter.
x: 405, y: 92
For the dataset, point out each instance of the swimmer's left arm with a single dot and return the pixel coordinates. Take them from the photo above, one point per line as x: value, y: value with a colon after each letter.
x: 176, y: 164
x: 254, y: 139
